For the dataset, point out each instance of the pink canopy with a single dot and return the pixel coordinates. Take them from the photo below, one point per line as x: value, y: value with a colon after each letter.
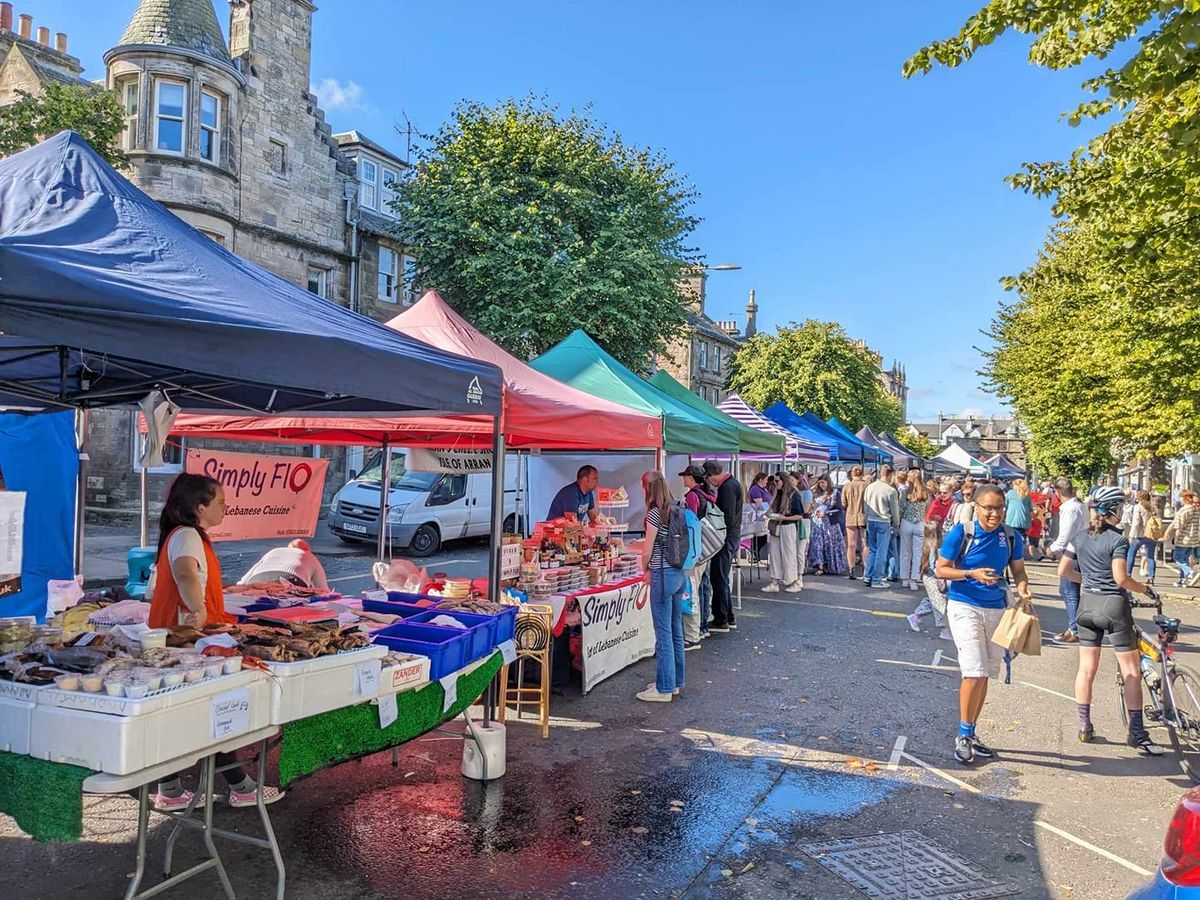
x: 538, y: 411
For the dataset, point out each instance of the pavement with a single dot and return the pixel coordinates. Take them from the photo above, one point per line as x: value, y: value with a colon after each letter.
x: 821, y: 720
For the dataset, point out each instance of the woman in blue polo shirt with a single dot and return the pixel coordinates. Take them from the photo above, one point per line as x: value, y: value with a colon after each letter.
x: 972, y: 560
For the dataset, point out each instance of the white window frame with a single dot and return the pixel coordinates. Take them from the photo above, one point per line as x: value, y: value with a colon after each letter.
x: 213, y: 130
x: 130, y: 86
x: 168, y: 468
x: 386, y: 194
x: 322, y: 279
x: 388, y: 282
x: 704, y: 355
x: 716, y: 360
x: 365, y: 183
x: 159, y: 117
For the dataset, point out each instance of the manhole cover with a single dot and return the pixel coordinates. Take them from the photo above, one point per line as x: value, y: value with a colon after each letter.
x: 906, y: 865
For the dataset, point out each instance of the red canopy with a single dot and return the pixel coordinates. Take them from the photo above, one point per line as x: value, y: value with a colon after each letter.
x: 538, y: 412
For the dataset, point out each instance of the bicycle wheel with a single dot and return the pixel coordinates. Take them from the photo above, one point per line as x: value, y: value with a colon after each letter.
x: 1181, y: 714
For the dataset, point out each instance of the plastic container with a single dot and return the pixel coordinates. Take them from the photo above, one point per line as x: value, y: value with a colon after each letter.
x: 153, y: 637
x: 481, y: 630
x: 491, y: 746
x: 16, y: 720
x: 394, y: 608
x: 136, y: 690
x: 92, y: 684
x: 506, y: 622
x: 232, y: 665
x: 68, y: 682
x: 172, y: 677
x: 445, y: 647
x: 114, y: 688
x: 402, y: 597
x: 309, y: 687
x: 214, y: 669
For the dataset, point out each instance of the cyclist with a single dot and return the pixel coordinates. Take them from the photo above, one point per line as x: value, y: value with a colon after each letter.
x: 1097, y: 561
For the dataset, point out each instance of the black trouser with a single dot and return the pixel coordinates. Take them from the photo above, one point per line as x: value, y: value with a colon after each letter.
x: 560, y: 660
x: 720, y: 571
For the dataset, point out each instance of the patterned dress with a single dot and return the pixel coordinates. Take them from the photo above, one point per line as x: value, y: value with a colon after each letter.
x: 827, y: 544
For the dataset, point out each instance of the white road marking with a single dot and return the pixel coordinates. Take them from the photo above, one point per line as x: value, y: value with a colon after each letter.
x: 941, y: 774
x: 913, y: 665
x: 897, y: 752
x: 1100, y: 851
x: 1038, y: 687
x: 937, y: 657
x: 349, y: 577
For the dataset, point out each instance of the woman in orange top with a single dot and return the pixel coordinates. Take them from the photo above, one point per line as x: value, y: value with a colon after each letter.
x: 186, y: 589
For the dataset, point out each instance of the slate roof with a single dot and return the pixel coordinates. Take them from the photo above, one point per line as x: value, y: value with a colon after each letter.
x: 186, y: 24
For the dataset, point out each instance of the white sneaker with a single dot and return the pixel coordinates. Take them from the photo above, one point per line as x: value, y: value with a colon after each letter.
x: 772, y: 588
x: 914, y: 622
x: 945, y: 634
x: 795, y: 587
x: 913, y: 586
x: 653, y: 686
x: 651, y: 695
x: 906, y: 584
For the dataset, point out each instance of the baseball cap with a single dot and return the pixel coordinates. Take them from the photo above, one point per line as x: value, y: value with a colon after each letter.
x: 695, y: 471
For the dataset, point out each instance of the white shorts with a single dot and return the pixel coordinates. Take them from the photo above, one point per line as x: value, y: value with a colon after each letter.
x: 972, y: 628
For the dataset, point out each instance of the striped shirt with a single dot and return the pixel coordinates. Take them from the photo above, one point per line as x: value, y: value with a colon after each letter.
x: 1187, y: 527
x: 658, y: 552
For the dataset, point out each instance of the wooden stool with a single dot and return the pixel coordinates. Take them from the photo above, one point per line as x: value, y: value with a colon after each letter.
x: 534, y: 638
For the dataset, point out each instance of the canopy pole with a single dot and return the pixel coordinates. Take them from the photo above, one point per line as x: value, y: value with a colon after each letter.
x: 144, y: 487
x: 497, y: 529
x: 385, y: 490
x: 81, y: 424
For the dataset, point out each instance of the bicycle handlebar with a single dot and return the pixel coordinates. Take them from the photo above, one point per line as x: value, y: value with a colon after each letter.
x: 1154, y: 601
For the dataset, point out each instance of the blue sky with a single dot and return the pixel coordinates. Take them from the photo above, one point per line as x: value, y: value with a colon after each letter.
x: 845, y: 192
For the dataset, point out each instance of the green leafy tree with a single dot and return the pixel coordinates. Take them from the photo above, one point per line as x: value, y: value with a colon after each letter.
x: 814, y: 367
x: 96, y: 114
x: 916, y: 443
x: 1099, y: 348
x: 533, y: 224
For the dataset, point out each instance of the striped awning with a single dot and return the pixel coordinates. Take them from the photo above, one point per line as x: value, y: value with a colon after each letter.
x: 798, y: 449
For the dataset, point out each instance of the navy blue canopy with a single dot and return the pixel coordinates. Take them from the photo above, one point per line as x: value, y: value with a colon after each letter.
x: 811, y: 428
x: 105, y: 294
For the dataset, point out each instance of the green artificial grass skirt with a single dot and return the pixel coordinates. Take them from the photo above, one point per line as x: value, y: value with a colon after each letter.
x: 353, y: 731
x: 45, y: 798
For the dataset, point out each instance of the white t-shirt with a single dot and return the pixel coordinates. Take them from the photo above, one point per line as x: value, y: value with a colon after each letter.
x: 187, y: 542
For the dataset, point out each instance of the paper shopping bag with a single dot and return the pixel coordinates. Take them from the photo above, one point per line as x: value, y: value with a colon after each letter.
x: 1019, y: 631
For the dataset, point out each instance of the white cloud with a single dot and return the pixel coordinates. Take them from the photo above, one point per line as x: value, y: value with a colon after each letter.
x: 334, y: 95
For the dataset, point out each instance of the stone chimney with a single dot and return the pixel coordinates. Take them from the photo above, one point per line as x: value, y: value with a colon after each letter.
x: 6, y: 17
x: 751, y: 316
x: 25, y: 26
x: 60, y: 43
x: 43, y: 36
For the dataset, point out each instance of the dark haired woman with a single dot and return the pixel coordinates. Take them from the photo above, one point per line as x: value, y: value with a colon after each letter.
x: 185, y: 589
x: 1098, y: 561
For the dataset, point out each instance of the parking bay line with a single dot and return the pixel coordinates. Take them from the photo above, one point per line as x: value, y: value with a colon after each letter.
x: 899, y: 752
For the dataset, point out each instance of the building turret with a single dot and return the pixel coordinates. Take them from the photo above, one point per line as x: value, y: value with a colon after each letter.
x: 751, y: 316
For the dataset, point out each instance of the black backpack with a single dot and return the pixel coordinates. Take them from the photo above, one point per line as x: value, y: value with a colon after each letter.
x: 676, y: 536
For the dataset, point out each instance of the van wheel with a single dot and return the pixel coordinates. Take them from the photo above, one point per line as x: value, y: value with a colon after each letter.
x: 425, y: 541
x: 510, y: 524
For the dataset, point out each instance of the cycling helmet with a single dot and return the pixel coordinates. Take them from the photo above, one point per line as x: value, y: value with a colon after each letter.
x: 1108, y: 500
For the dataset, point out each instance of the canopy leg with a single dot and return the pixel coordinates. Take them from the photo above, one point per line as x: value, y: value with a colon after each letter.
x: 497, y: 527
x: 385, y: 490
x: 81, y: 425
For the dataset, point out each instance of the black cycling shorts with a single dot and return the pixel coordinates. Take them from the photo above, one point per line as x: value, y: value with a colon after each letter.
x: 1106, y: 614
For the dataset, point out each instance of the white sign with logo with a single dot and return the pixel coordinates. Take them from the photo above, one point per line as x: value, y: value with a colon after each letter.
x: 455, y: 462
x: 230, y: 714
x: 617, y: 629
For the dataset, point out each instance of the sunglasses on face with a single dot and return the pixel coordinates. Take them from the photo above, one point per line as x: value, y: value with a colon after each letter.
x: 991, y: 510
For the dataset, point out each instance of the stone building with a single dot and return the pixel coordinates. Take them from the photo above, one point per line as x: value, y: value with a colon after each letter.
x: 230, y: 137
x: 699, y: 357
x: 983, y: 436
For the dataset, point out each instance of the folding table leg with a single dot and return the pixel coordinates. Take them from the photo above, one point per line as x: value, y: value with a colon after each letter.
x: 143, y: 825
x: 266, y: 821
x: 210, y: 765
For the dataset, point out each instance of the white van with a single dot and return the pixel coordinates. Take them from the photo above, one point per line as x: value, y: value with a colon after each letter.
x: 424, y: 508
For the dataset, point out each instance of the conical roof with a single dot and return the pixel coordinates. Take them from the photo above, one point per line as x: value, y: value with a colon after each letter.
x: 183, y: 24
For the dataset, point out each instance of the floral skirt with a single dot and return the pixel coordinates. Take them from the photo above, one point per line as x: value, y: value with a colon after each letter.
x: 827, y: 548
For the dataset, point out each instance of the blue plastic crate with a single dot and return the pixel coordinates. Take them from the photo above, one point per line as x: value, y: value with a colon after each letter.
x: 404, y: 610
x: 506, y: 622
x: 402, y: 597
x: 482, y: 630
x: 445, y: 647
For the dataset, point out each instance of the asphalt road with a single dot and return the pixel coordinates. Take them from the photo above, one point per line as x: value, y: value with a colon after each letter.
x: 784, y: 738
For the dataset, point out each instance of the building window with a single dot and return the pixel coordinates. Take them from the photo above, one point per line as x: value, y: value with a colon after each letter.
x: 703, y: 355
x: 214, y: 237
x: 129, y: 103
x: 173, y: 452
x: 368, y: 175
x: 278, y: 157
x: 388, y: 277
x: 318, y: 280
x: 387, y: 193
x: 170, y: 106
x: 410, y: 278
x: 210, y: 127
x: 703, y: 392
x: 717, y: 360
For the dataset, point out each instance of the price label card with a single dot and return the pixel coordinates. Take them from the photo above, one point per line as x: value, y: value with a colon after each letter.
x: 450, y: 686
x: 86, y: 638
x: 367, y: 679
x: 509, y: 651
x: 388, y: 711
x: 380, y: 596
x: 230, y: 714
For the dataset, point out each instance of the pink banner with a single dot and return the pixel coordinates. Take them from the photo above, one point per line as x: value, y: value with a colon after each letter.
x: 265, y: 496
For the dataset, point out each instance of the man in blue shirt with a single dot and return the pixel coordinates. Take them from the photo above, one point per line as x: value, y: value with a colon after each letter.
x: 972, y: 560
x: 578, y: 497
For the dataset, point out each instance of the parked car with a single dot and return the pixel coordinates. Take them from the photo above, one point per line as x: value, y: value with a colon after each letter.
x: 425, y: 509
x: 1178, y: 875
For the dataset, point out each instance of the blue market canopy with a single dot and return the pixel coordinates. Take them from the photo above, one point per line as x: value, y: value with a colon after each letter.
x: 900, y: 456
x: 1003, y: 467
x: 105, y: 294
x: 871, y: 453
x: 811, y: 428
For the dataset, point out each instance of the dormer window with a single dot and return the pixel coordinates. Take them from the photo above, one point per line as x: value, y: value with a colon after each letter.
x: 210, y: 126
x: 170, y: 123
x: 369, y: 183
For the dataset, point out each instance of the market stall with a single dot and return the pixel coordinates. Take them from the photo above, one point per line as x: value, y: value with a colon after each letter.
x: 797, y: 449
x: 871, y: 453
x: 752, y: 443
x: 108, y: 297
x: 901, y: 455
x: 1003, y: 467
x: 810, y: 428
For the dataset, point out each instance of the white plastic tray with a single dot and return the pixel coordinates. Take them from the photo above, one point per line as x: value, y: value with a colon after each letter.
x: 163, y: 697
x: 313, y: 686
x: 16, y: 719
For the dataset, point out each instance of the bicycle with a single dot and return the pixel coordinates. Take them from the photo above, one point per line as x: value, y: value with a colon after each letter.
x: 1174, y: 689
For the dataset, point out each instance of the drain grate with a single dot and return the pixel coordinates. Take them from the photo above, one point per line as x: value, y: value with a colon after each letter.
x: 906, y: 865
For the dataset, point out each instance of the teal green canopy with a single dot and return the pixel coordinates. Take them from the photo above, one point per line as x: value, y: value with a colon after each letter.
x: 750, y: 440
x: 583, y: 364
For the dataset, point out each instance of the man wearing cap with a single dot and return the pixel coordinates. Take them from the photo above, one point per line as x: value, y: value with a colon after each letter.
x: 697, y: 497
x: 730, y: 499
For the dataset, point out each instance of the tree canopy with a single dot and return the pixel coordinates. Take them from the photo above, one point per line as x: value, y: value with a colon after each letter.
x: 814, y: 367
x: 533, y: 224
x: 96, y: 114
x: 916, y: 443
x: 1099, y: 348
